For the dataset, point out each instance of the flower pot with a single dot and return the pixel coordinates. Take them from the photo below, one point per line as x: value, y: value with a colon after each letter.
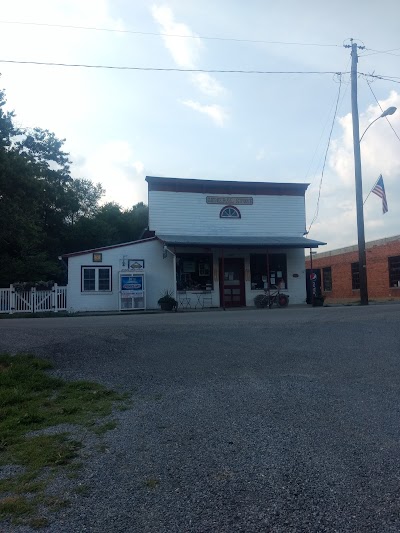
x: 166, y: 306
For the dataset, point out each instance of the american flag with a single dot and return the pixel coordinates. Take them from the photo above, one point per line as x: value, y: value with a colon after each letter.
x: 379, y: 190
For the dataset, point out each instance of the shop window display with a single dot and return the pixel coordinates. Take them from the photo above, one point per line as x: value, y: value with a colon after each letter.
x: 276, y: 264
x: 194, y: 272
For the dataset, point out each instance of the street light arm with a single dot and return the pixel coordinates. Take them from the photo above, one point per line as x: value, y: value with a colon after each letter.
x: 369, y: 125
x: 389, y: 111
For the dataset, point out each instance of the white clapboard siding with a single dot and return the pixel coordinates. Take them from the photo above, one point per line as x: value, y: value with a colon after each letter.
x: 187, y: 213
x: 159, y: 275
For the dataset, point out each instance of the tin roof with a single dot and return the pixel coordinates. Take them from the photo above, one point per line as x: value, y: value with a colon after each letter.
x: 156, y: 183
x: 254, y: 242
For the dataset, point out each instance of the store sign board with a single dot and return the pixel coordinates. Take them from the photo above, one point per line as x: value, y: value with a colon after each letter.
x: 131, y: 285
x: 136, y: 264
x: 229, y: 200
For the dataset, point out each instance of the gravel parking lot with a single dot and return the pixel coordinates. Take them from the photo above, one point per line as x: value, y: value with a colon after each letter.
x: 281, y: 420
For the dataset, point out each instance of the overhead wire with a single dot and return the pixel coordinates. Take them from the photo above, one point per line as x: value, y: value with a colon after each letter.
x: 173, y: 69
x: 394, y: 79
x: 377, y: 101
x: 325, y: 158
x: 374, y: 52
x: 323, y: 129
x: 134, y: 32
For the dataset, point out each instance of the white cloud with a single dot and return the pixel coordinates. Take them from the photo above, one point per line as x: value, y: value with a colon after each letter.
x: 207, y: 84
x: 380, y: 154
x: 184, y: 50
x: 217, y: 113
x: 114, y: 165
x: 54, y: 98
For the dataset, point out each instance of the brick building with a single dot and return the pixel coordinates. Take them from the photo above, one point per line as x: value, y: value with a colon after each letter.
x: 340, y: 281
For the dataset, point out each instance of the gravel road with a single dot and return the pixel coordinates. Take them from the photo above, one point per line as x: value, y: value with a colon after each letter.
x: 281, y: 420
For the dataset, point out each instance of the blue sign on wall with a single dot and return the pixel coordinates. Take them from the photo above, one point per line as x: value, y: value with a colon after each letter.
x: 131, y: 284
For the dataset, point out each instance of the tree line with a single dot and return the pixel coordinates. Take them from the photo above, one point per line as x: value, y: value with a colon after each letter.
x: 44, y: 212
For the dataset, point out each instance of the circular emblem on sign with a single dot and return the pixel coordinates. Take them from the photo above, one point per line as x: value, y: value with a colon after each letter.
x: 313, y: 276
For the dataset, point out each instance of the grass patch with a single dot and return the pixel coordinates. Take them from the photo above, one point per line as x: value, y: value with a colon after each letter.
x: 103, y: 428
x: 152, y: 483
x: 82, y: 490
x: 31, y: 400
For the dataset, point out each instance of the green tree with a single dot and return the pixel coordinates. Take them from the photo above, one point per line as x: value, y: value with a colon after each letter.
x: 44, y: 212
x: 109, y: 225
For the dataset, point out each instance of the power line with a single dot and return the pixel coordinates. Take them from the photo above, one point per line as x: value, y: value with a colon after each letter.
x: 374, y: 52
x: 393, y: 79
x: 377, y: 101
x: 115, y: 30
x: 326, y: 155
x: 160, y: 69
x: 325, y: 125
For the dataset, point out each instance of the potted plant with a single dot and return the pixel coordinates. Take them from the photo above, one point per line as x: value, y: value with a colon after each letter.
x: 167, y: 302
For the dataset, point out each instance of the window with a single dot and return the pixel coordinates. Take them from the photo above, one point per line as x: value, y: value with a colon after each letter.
x: 277, y: 270
x: 89, y: 279
x: 96, y: 279
x: 355, y: 276
x: 229, y: 212
x: 394, y: 271
x: 194, y: 272
x: 327, y: 279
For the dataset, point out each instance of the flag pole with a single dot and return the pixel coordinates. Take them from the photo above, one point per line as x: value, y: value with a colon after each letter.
x: 379, y: 177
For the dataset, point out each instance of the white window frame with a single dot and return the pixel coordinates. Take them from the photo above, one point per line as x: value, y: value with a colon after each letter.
x: 96, y: 279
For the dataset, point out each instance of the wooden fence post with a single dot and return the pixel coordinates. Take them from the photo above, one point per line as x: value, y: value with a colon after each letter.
x: 12, y: 299
x: 32, y: 300
x: 55, y: 298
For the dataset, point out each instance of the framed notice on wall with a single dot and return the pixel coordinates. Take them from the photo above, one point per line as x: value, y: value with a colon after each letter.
x: 204, y: 269
x: 189, y: 266
x: 136, y: 264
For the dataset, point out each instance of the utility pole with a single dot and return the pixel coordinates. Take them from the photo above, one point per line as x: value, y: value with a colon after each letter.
x: 362, y: 261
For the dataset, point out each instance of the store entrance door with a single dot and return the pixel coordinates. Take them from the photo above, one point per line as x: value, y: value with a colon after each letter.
x: 231, y: 282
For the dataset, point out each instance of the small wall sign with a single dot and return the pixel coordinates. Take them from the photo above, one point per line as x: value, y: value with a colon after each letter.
x: 97, y: 258
x: 136, y: 264
x: 229, y: 200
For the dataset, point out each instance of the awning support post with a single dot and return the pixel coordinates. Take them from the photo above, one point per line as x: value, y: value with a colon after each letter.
x: 222, y: 277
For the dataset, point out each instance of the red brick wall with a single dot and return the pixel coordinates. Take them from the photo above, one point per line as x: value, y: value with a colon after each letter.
x: 377, y: 272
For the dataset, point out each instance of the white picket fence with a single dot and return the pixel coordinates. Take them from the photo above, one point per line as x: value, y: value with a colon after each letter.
x: 33, y: 301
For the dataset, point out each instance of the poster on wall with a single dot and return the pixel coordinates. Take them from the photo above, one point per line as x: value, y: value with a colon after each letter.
x: 131, y: 286
x: 189, y: 266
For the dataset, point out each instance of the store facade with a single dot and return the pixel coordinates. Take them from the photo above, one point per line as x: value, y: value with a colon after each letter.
x: 209, y: 243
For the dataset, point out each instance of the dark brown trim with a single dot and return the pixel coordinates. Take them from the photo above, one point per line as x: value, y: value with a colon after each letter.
x: 97, y: 266
x: 250, y: 188
x: 73, y: 254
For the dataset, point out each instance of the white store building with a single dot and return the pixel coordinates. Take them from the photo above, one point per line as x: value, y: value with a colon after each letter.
x: 209, y: 243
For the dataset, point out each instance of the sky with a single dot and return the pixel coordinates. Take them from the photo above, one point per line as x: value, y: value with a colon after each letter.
x: 121, y: 125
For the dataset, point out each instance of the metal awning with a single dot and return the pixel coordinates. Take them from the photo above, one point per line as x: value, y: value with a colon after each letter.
x: 233, y: 241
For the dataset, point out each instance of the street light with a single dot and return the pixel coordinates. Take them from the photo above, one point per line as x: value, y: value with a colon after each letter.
x: 389, y: 111
x: 357, y: 170
x: 362, y: 260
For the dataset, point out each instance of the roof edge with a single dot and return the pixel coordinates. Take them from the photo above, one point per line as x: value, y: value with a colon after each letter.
x: 354, y: 247
x: 110, y: 247
x: 156, y: 183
